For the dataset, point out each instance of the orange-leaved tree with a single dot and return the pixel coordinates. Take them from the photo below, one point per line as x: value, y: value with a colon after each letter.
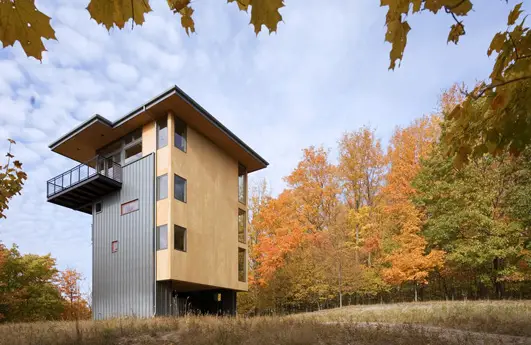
x: 75, y: 305
x: 407, y: 258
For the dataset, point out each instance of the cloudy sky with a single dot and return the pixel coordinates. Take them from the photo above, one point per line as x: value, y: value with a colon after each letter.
x: 323, y: 73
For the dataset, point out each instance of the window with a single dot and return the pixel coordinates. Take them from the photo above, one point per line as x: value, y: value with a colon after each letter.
x: 97, y: 207
x: 180, y: 134
x: 129, y: 207
x: 133, y: 136
x: 133, y: 153
x: 162, y: 237
x: 241, y: 265
x: 179, y: 188
x: 241, y: 225
x: 162, y: 187
x: 114, y: 246
x: 242, y: 184
x: 179, y: 238
x: 162, y: 133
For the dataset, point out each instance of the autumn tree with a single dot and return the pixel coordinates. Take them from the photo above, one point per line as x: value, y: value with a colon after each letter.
x: 407, y: 257
x: 12, y: 179
x: 27, y: 289
x: 75, y: 305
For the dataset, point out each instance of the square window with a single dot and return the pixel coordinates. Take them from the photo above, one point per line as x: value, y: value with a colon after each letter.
x: 180, y: 134
x: 162, y: 187
x: 162, y: 237
x: 162, y: 133
x: 242, y: 222
x: 98, y: 207
x: 179, y: 238
x: 114, y: 246
x: 179, y: 188
x: 133, y: 153
x: 129, y: 207
x: 241, y: 265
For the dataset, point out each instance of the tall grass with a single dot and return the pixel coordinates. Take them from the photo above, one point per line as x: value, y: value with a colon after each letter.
x: 330, y: 327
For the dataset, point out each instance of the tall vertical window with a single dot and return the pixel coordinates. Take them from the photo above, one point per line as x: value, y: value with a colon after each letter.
x: 162, y: 133
x: 162, y: 187
x: 241, y: 265
x: 242, y: 184
x: 179, y: 188
x: 162, y: 237
x: 241, y: 225
x: 132, y: 146
x: 180, y: 134
x: 179, y: 238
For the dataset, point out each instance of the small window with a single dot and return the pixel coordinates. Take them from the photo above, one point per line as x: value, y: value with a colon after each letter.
x: 114, y: 246
x: 241, y: 265
x: 180, y: 134
x: 133, y: 153
x: 241, y: 225
x: 98, y: 207
x: 162, y: 187
x: 242, y: 184
x: 162, y: 237
x: 130, y: 206
x: 179, y: 238
x: 179, y: 189
x: 133, y: 136
x: 162, y: 133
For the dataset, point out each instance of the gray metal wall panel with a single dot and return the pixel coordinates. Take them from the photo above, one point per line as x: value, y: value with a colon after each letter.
x: 123, y: 283
x: 164, y: 298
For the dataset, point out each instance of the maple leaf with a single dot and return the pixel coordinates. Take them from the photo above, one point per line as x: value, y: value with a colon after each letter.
x: 265, y: 12
x: 397, y: 35
x: 457, y: 30
x: 178, y: 5
x: 21, y: 21
x: 497, y: 43
x: 243, y: 5
x: 117, y: 12
x: 515, y: 13
x: 186, y: 20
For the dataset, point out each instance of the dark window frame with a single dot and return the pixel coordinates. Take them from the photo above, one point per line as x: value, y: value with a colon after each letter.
x: 242, y: 273
x: 158, y: 190
x: 122, y: 213
x: 158, y: 242
x: 242, y: 172
x: 178, y: 121
x: 96, y: 207
x: 158, y: 128
x: 244, y: 234
x: 185, y: 194
x: 185, y: 235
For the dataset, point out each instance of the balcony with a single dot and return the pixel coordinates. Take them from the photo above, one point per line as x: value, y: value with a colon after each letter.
x: 81, y: 186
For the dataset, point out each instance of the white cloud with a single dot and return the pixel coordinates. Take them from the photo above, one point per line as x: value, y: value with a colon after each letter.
x: 323, y: 73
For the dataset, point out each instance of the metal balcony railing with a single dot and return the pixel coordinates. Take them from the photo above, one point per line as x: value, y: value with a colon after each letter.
x: 97, y: 166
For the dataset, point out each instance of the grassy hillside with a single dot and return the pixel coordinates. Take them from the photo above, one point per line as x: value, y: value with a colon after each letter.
x: 366, y: 325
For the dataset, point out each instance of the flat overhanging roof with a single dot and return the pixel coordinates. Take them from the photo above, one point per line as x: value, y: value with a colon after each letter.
x: 82, y: 142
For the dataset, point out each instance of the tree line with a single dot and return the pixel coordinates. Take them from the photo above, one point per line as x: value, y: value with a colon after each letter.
x: 398, y: 224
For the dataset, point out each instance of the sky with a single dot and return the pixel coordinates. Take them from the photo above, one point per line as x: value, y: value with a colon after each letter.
x: 323, y: 73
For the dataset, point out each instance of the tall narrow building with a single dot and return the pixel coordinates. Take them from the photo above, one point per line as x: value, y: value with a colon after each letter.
x: 166, y: 186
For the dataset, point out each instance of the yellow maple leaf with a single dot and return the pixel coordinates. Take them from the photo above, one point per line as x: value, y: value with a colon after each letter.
x: 21, y: 21
x: 243, y: 5
x: 265, y: 12
x: 515, y: 13
x: 118, y: 12
x: 186, y: 19
x: 178, y: 5
x: 456, y: 31
x: 497, y: 43
x: 397, y: 35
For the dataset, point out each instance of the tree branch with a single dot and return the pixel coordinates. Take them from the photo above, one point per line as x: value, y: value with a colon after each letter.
x: 492, y: 86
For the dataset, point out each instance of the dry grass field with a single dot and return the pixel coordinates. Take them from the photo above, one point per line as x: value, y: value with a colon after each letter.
x: 419, y: 323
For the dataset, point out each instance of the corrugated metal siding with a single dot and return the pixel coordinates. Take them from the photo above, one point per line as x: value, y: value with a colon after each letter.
x: 164, y: 298
x: 123, y: 283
